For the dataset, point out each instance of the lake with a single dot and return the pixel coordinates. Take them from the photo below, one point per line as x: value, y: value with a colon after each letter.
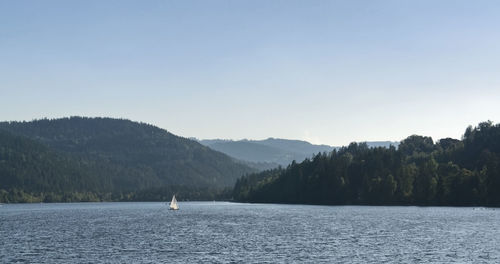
x: 220, y: 232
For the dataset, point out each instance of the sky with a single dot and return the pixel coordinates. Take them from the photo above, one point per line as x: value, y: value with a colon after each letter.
x: 329, y: 72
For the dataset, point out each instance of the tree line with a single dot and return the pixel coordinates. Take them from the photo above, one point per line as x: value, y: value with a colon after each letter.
x: 419, y: 172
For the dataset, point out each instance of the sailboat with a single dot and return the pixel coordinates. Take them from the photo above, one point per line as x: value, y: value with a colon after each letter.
x: 173, y: 204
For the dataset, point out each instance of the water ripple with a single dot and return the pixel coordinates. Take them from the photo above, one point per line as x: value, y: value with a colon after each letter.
x: 246, y: 233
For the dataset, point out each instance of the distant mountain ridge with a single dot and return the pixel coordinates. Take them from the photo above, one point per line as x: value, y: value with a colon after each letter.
x: 274, y: 152
x: 384, y: 144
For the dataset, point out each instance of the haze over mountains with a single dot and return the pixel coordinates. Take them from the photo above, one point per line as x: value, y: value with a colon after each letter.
x: 274, y: 152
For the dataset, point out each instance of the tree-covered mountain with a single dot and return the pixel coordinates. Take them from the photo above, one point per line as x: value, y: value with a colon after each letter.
x: 419, y: 171
x: 108, y: 156
x: 29, y: 166
x: 274, y: 152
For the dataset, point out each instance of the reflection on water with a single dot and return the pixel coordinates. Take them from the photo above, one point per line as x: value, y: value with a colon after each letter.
x: 231, y: 232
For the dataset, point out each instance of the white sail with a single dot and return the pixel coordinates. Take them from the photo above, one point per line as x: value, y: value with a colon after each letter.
x: 173, y: 204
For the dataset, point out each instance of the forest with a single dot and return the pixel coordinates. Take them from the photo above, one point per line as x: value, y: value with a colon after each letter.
x: 102, y: 159
x: 105, y: 159
x: 420, y: 171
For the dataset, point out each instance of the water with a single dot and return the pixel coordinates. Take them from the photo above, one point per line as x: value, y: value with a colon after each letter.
x: 205, y: 232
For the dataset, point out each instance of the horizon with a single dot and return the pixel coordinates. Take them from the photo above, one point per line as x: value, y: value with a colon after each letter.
x: 435, y: 140
x: 327, y: 72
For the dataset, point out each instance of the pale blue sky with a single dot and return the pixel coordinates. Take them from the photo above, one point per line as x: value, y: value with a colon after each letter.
x: 329, y: 72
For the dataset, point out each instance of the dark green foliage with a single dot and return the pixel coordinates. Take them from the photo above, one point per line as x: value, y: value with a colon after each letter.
x: 101, y: 159
x: 420, y: 172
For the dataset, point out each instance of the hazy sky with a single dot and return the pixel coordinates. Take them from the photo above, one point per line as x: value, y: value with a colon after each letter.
x: 329, y: 72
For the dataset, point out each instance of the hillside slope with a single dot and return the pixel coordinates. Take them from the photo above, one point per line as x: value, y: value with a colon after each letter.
x: 121, y: 155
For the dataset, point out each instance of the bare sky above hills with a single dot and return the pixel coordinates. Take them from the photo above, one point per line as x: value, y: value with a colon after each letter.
x: 327, y: 72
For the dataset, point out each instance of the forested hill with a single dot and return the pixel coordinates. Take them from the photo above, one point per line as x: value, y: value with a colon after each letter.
x: 112, y: 156
x: 419, y: 172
